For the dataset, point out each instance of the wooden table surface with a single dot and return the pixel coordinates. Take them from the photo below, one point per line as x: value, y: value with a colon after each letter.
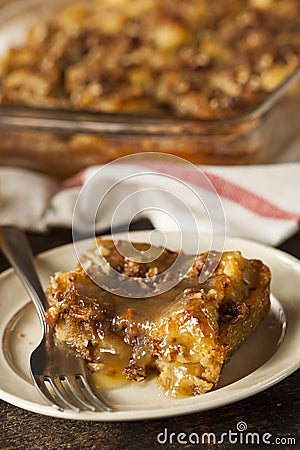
x: 274, y: 413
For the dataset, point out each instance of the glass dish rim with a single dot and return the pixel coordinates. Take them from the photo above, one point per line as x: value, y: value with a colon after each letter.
x: 21, y: 117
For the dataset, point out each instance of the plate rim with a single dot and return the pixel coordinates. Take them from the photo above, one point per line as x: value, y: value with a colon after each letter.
x: 232, y: 390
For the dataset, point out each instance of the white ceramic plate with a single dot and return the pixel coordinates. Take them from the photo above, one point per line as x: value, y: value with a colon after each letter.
x: 271, y: 354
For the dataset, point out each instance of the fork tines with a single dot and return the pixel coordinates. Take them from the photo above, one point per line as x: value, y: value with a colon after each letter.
x: 75, y: 392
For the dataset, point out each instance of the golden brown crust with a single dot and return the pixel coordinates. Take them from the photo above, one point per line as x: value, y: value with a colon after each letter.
x: 185, y: 334
x: 193, y: 59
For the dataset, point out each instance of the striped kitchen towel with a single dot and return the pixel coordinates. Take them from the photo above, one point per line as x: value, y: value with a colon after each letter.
x: 256, y: 202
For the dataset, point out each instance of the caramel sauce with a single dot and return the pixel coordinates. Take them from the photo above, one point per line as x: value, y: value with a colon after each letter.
x: 141, y: 310
x: 111, y: 373
x: 182, y: 332
x: 123, y: 324
x: 134, y: 319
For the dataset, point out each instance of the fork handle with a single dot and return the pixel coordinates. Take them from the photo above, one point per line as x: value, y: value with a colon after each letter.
x: 16, y: 248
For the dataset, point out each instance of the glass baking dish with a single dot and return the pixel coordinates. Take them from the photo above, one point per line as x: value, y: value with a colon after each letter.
x: 61, y: 142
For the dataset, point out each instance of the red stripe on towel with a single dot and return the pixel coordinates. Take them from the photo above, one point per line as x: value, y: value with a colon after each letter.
x: 249, y: 200
x: 231, y: 191
x: 225, y: 189
x: 75, y: 181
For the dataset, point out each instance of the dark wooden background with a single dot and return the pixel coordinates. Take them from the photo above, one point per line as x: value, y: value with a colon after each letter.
x: 275, y: 410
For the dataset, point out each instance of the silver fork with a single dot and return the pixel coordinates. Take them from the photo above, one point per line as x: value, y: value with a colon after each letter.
x: 60, y: 376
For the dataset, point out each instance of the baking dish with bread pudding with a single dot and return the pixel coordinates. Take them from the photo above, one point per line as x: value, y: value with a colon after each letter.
x: 213, y: 84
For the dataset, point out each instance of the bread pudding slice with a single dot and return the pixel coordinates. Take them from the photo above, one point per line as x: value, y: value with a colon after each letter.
x: 183, y: 336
